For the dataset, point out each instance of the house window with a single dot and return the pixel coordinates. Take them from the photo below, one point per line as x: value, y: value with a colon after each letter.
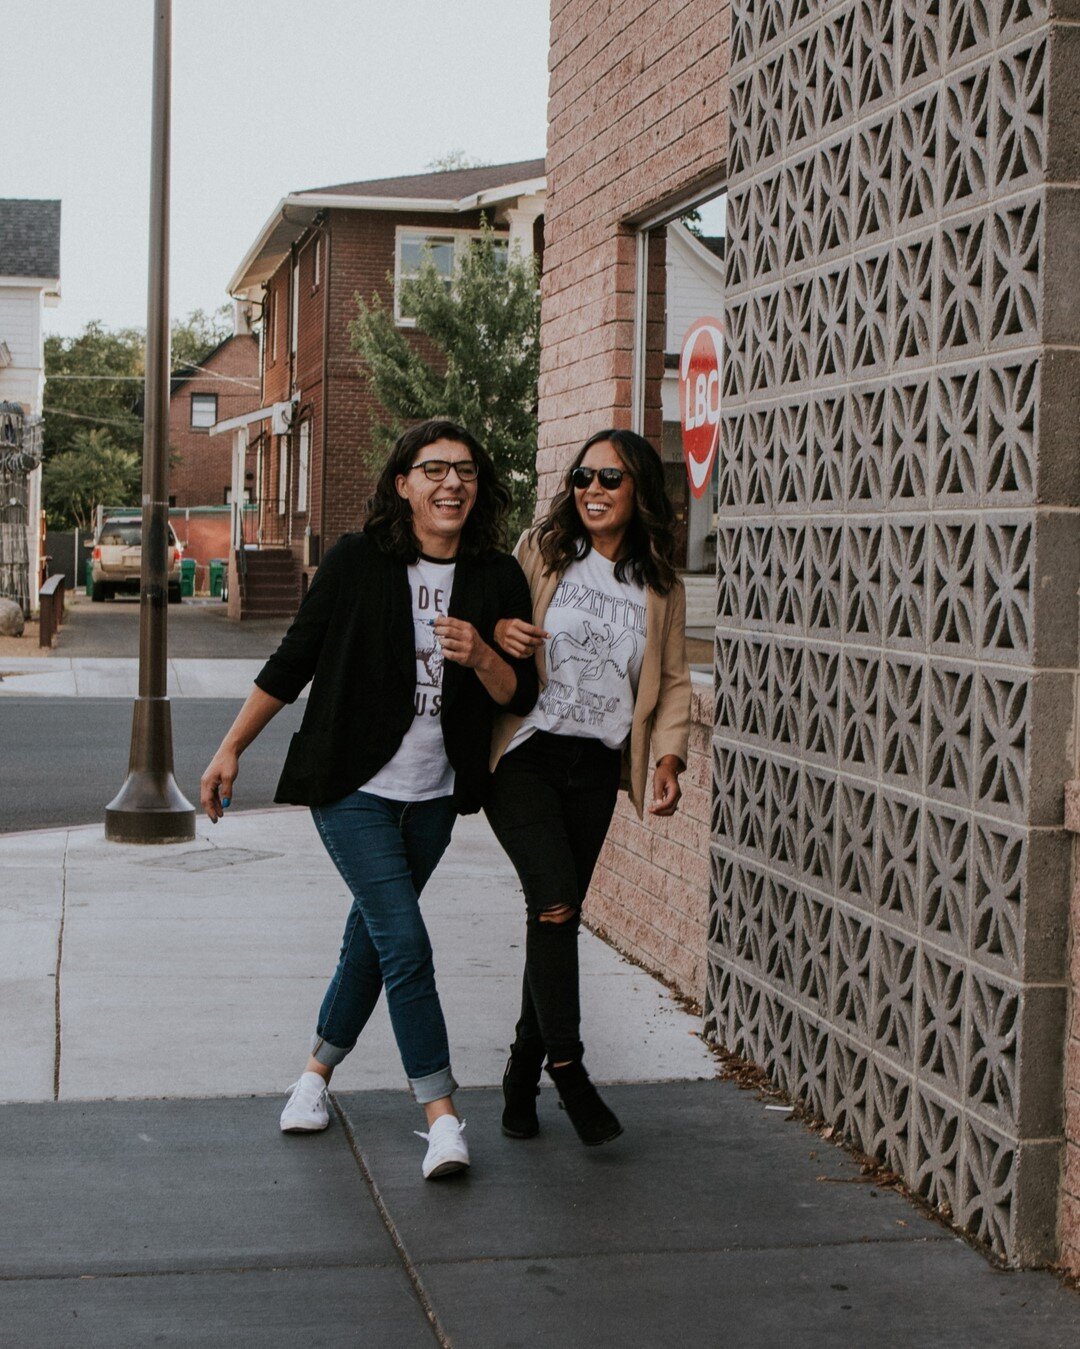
x: 444, y: 250
x: 303, y: 465
x: 316, y: 262
x: 203, y: 409
x: 272, y: 324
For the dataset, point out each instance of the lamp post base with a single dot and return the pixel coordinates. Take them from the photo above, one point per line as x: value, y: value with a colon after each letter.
x: 150, y: 807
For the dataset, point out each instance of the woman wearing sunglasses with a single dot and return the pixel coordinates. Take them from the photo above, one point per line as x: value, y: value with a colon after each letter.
x: 611, y: 656
x: 395, y: 635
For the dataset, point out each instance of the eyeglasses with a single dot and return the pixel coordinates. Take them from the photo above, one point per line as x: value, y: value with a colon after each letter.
x: 611, y: 478
x: 437, y: 469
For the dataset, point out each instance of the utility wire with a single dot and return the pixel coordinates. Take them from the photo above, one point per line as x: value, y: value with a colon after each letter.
x: 188, y: 373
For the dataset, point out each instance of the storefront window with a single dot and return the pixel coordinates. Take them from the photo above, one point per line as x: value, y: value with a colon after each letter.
x: 681, y: 283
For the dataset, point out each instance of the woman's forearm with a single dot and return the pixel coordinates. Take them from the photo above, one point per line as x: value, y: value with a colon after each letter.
x: 496, y: 676
x: 258, y: 711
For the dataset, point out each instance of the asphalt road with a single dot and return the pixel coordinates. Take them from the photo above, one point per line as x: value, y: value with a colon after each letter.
x: 63, y: 759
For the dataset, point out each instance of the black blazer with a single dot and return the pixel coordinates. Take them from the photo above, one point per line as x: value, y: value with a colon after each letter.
x: 353, y: 639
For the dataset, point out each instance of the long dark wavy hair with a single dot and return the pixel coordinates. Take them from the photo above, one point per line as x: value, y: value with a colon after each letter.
x: 649, y: 556
x: 389, y: 519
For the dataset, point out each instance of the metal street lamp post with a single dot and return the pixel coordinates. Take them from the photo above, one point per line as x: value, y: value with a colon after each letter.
x: 150, y: 807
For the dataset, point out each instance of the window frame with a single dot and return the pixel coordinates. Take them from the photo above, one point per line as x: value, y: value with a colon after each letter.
x: 461, y: 239
x: 202, y: 426
x: 643, y: 227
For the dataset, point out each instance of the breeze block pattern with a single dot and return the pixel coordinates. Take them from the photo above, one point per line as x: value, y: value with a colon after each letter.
x: 898, y: 553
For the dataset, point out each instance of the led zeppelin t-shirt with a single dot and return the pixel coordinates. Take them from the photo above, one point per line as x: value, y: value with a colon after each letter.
x: 420, y: 770
x: 594, y: 653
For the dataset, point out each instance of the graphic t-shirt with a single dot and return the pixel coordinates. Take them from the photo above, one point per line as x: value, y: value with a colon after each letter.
x: 420, y: 770
x: 594, y: 654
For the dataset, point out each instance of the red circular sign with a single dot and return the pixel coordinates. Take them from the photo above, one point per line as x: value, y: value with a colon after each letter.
x: 699, y: 400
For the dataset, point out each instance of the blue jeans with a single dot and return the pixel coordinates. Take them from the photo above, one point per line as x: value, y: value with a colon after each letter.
x: 385, y: 851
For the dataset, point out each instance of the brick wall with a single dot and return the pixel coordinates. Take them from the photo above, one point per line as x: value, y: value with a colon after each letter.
x: 204, y: 471
x: 636, y: 118
x: 650, y: 890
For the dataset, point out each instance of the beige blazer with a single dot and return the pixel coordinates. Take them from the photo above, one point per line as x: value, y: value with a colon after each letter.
x: 662, y: 706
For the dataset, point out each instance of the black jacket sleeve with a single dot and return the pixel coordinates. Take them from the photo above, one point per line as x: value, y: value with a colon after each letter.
x: 290, y: 669
x: 517, y: 603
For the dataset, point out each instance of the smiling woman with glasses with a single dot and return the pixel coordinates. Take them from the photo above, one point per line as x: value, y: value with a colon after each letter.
x: 611, y: 655
x: 396, y: 636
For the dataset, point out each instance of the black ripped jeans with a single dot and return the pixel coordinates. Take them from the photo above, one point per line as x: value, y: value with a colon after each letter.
x: 550, y: 806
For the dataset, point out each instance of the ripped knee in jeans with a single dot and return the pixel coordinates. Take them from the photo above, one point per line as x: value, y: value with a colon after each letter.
x: 561, y: 913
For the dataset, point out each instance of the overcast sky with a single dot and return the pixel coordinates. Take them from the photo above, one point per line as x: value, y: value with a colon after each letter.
x: 269, y: 96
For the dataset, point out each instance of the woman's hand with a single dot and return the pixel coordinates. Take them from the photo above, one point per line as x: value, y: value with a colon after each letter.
x: 461, y: 643
x: 518, y: 638
x: 216, y: 784
x: 666, y: 789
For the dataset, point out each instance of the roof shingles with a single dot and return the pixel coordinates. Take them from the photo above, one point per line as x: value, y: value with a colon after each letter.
x: 29, y: 238
x: 447, y: 185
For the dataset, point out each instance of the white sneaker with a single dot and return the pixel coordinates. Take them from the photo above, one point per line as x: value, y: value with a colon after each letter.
x: 306, y: 1112
x: 447, y: 1150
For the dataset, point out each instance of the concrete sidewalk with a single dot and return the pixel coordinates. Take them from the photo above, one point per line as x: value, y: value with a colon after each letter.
x: 158, y: 1001
x: 118, y: 677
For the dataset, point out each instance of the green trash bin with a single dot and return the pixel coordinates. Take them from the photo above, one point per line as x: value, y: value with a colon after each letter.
x: 187, y: 576
x: 217, y: 576
x: 89, y: 579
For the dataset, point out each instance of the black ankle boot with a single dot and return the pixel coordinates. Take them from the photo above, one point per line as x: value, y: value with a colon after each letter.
x: 594, y: 1122
x: 521, y: 1087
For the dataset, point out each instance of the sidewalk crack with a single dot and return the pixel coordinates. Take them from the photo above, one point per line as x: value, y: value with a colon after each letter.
x: 411, y: 1272
x: 56, y: 973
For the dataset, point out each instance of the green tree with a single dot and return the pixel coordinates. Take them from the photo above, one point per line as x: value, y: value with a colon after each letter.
x: 93, y: 380
x: 485, y: 332
x: 94, y: 471
x: 195, y: 337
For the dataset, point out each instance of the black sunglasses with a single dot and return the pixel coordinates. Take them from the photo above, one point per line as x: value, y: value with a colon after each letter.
x: 437, y: 469
x: 609, y: 477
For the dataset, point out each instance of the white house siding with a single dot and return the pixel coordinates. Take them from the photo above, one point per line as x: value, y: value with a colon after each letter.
x: 695, y: 285
x: 23, y: 381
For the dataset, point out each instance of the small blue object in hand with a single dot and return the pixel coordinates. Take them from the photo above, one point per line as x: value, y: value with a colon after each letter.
x: 225, y: 800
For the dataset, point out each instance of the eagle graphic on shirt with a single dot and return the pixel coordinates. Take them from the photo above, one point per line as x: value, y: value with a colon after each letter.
x: 600, y: 649
x: 429, y: 661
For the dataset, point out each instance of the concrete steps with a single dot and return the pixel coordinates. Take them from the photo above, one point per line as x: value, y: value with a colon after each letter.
x: 270, y: 587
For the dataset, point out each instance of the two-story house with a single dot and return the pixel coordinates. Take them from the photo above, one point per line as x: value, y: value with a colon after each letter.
x: 301, y: 456
x: 29, y: 283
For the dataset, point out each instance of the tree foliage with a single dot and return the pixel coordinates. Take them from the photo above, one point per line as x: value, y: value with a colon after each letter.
x: 93, y: 380
x: 195, y: 337
x: 94, y: 471
x: 478, y: 367
x: 453, y: 159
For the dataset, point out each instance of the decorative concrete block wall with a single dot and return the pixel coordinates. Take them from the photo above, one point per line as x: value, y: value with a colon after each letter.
x: 898, y: 562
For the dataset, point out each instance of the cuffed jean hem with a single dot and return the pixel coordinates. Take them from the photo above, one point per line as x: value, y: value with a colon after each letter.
x: 433, y: 1087
x: 327, y: 1054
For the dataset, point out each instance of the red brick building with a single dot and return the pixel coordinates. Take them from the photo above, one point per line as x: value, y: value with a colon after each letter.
x: 304, y: 457
x: 224, y: 385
